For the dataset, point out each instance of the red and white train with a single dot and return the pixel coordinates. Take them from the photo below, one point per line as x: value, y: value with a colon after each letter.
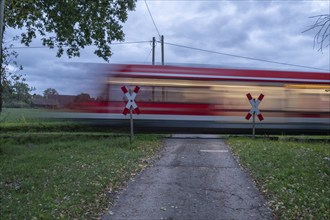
x: 201, y: 99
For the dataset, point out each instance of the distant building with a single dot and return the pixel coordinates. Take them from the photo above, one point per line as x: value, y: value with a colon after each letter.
x: 43, y: 103
x: 63, y: 101
x: 53, y: 101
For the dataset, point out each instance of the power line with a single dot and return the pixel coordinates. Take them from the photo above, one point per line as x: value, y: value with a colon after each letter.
x: 152, y: 17
x: 131, y: 42
x: 43, y: 47
x: 145, y: 61
x: 28, y: 47
x: 244, y: 57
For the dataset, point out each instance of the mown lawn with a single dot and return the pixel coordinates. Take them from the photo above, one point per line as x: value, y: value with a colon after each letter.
x: 66, y: 175
x: 294, y: 176
x: 38, y: 120
x: 20, y: 115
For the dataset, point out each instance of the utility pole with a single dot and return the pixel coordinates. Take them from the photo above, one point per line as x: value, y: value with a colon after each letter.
x: 2, y: 12
x: 162, y: 46
x: 162, y: 43
x: 153, y: 63
x: 153, y: 50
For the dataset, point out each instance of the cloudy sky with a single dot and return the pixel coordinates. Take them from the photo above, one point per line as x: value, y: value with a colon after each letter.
x: 264, y: 29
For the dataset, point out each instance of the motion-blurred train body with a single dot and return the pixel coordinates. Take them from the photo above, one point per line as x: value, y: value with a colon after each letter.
x: 201, y: 99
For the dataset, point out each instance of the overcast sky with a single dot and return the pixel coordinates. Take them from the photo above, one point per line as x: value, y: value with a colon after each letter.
x: 270, y: 30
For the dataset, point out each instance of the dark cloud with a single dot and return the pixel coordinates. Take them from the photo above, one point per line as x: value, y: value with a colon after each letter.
x: 262, y: 29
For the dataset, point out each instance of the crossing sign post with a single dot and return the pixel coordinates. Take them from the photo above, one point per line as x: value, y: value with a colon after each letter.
x: 131, y: 107
x: 254, y: 110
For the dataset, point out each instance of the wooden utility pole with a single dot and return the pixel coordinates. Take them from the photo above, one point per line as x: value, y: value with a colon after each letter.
x: 153, y: 63
x: 162, y: 46
x: 153, y: 50
x: 162, y: 43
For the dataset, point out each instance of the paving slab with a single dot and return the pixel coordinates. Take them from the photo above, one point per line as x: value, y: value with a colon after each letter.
x: 195, y: 178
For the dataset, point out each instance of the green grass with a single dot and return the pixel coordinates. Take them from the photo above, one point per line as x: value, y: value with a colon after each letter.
x: 29, y: 120
x: 66, y: 175
x: 294, y: 176
x: 20, y: 115
x: 13, y: 120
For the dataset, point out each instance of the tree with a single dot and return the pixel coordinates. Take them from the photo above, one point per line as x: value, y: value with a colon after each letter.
x: 18, y: 94
x: 50, y: 91
x: 72, y: 24
x: 15, y: 91
x: 67, y: 25
x: 83, y: 97
x: 322, y: 26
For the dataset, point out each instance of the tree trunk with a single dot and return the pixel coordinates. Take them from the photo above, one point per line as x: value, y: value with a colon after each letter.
x: 2, y: 29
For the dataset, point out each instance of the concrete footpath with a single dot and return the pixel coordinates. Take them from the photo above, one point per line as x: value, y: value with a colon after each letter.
x: 195, y: 178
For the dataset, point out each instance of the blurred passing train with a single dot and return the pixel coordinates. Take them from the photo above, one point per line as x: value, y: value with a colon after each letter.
x: 204, y: 99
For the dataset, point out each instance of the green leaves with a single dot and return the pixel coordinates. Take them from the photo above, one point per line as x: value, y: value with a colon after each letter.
x: 50, y: 91
x: 15, y: 91
x: 74, y: 23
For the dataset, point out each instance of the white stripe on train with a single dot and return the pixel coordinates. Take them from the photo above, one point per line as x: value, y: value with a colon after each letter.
x: 224, y: 119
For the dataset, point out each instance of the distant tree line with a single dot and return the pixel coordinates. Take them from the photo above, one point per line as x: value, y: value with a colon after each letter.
x: 15, y: 92
x: 19, y: 95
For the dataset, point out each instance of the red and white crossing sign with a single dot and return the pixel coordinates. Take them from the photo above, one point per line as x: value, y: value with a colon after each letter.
x: 130, y: 97
x: 254, y: 103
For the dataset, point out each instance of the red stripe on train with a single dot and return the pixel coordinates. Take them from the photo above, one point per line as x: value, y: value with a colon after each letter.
x: 188, y: 109
x: 223, y: 72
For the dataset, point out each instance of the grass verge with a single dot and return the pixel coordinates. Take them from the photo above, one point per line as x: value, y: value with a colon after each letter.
x: 294, y: 176
x: 20, y: 115
x: 21, y: 120
x: 29, y: 120
x: 66, y: 176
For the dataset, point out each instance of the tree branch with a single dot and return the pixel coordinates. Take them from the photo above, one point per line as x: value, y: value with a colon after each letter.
x: 322, y: 36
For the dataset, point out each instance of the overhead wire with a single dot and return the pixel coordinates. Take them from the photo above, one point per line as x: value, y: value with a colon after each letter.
x: 145, y: 60
x: 40, y: 47
x: 131, y: 42
x: 153, y: 21
x: 192, y: 48
x: 244, y: 57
